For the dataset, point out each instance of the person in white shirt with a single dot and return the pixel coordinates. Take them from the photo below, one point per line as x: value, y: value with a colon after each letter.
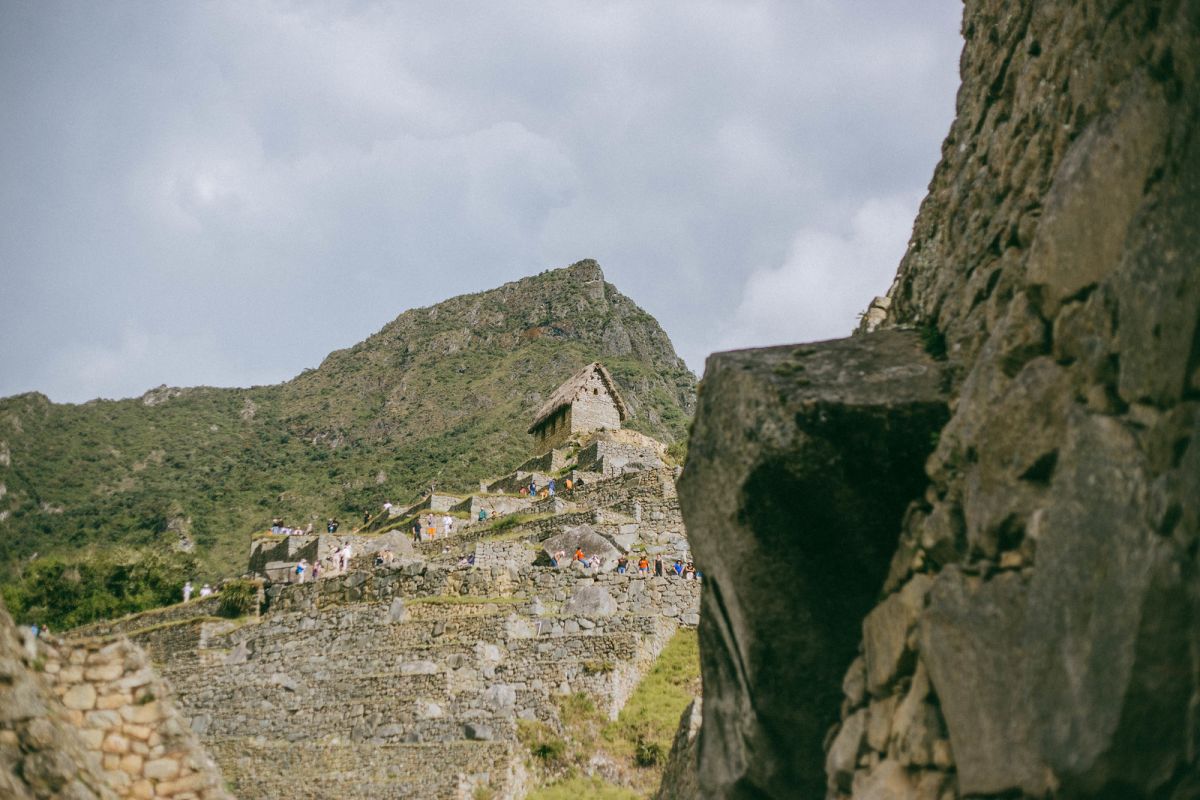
x: 187, y: 591
x: 205, y: 590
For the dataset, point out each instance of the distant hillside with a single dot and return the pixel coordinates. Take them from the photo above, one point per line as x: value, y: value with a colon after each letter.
x: 442, y: 394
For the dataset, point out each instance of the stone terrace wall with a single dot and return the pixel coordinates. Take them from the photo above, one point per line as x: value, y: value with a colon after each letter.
x: 673, y: 598
x: 197, y: 607
x: 121, y: 708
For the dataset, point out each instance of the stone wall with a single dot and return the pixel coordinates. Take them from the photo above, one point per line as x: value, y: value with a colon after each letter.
x: 197, y: 607
x: 593, y: 408
x: 1033, y: 629
x: 125, y: 717
x: 42, y: 750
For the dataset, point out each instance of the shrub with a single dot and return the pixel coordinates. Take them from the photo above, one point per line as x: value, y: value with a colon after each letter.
x: 239, y: 597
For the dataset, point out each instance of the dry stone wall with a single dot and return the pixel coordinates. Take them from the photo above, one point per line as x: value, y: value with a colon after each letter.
x: 125, y: 717
x: 1034, y: 623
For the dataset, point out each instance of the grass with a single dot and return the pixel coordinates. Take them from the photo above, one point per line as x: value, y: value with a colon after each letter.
x: 651, y: 716
x: 578, y: 787
x: 640, y: 737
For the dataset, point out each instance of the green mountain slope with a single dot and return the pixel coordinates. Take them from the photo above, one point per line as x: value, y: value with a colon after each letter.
x: 441, y: 394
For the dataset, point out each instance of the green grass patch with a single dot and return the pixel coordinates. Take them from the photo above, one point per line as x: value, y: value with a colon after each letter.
x: 646, y: 727
x: 578, y: 787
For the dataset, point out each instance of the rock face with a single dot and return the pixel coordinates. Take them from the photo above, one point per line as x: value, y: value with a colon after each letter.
x: 791, y: 512
x: 1036, y: 620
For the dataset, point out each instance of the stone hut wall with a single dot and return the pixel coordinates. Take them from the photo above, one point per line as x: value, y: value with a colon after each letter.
x: 554, y: 431
x: 593, y: 408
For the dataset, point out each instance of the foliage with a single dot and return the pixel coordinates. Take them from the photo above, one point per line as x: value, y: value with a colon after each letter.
x: 65, y: 593
x: 239, y: 597
x: 541, y: 741
x: 646, y: 725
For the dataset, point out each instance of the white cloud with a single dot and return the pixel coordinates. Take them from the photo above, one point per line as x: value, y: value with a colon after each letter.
x: 333, y: 164
x: 827, y: 278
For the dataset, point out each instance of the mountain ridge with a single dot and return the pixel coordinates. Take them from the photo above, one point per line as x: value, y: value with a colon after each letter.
x: 441, y: 393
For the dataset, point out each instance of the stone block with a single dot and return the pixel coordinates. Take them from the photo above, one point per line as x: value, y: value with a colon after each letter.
x: 885, y: 633
x: 812, y: 452
x: 843, y: 752
x: 115, y: 743
x: 161, y: 769
x: 104, y: 672
x: 80, y: 697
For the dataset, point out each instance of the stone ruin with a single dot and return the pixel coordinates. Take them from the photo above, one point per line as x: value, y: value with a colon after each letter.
x: 405, y: 679
x: 983, y: 509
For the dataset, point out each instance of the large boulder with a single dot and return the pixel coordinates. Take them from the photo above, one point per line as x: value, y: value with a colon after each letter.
x: 585, y: 538
x: 800, y: 465
x: 589, y: 600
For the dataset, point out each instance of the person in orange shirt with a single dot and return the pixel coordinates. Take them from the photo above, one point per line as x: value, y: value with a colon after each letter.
x: 643, y: 566
x: 579, y: 554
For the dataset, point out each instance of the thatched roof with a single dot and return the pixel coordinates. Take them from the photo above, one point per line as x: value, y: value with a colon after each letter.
x: 564, y: 395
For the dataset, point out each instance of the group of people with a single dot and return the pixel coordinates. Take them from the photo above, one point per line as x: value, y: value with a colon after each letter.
x: 277, y: 527
x: 205, y: 591
x: 425, y: 530
x: 595, y: 563
x: 550, y: 488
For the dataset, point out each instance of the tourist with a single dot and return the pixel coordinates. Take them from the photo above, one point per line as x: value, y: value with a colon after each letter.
x: 316, y: 569
x: 416, y: 531
x: 550, y: 487
x: 569, y: 485
x: 483, y: 515
x: 658, y: 566
x: 447, y: 525
x: 300, y: 568
x: 678, y: 568
x: 557, y: 558
x: 205, y: 590
x: 366, y: 517
x: 532, y: 489
x: 331, y: 526
x: 387, y: 506
x: 524, y: 491
x: 595, y: 562
x: 689, y: 572
x: 187, y: 591
x: 346, y: 554
x: 579, y: 554
x: 578, y: 482
x: 643, y: 566
x: 276, y: 525
x: 622, y: 563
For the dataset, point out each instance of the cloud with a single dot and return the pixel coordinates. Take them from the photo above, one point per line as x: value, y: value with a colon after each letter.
x: 827, y: 278
x: 281, y: 179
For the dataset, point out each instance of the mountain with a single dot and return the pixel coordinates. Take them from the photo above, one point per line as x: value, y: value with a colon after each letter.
x: 441, y: 394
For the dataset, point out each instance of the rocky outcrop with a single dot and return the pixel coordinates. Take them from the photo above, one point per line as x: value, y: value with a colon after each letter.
x: 1033, y: 630
x: 792, y: 514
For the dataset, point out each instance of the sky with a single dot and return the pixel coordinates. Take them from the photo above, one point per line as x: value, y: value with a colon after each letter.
x: 222, y: 193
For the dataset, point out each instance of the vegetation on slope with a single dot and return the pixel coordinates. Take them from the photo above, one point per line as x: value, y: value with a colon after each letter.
x: 440, y: 395
x: 635, y: 745
x: 59, y: 593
